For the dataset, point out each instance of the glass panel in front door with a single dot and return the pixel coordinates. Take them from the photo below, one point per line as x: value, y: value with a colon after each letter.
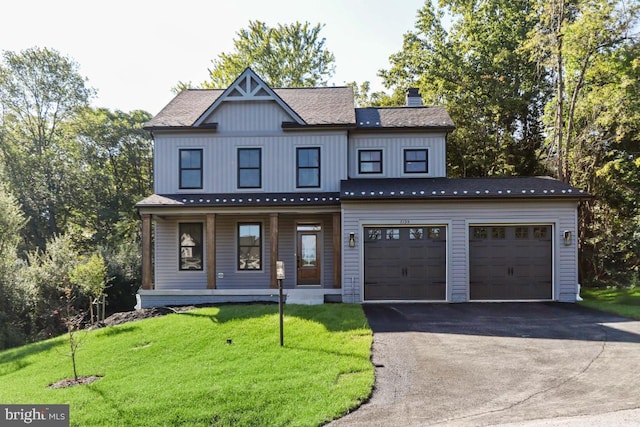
x: 308, y: 250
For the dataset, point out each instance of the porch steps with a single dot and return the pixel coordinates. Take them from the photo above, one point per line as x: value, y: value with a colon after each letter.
x: 305, y: 296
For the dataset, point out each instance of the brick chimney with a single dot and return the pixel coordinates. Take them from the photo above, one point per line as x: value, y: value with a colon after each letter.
x: 413, y: 97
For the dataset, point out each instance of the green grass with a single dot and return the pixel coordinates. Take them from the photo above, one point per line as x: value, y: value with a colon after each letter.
x: 621, y: 301
x: 179, y: 370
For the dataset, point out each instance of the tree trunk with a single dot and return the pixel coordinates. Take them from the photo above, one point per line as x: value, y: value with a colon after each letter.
x: 562, y: 151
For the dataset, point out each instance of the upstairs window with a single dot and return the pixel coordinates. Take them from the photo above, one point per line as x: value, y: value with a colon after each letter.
x: 416, y: 161
x: 308, y: 167
x: 249, y: 168
x: 191, y: 169
x: 369, y: 161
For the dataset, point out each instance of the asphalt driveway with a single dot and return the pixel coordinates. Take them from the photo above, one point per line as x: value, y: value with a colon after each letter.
x: 510, y: 363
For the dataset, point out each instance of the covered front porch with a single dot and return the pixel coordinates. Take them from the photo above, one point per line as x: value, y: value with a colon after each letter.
x: 208, y: 255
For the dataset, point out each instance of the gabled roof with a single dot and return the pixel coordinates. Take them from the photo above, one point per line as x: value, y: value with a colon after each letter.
x: 248, y: 87
x: 457, y: 188
x: 403, y: 117
x: 184, y: 109
x: 319, y: 106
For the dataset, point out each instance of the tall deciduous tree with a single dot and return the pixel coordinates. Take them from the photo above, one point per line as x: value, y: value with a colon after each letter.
x: 475, y: 69
x: 287, y: 55
x: 12, y: 297
x: 570, y: 39
x: 40, y: 90
x: 117, y: 162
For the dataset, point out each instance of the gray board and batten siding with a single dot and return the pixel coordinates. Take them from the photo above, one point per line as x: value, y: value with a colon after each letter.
x: 393, y: 147
x: 259, y: 126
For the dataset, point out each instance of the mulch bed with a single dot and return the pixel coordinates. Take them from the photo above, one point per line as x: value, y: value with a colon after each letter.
x: 70, y: 382
x: 145, y: 313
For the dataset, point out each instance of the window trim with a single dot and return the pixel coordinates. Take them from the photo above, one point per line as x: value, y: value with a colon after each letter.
x: 259, y: 168
x: 299, y: 168
x: 260, y: 246
x: 181, y: 169
x: 413, y: 150
x: 360, y: 161
x: 180, y: 246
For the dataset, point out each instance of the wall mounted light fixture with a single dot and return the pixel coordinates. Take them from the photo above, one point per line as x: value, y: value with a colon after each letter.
x: 566, y: 234
x: 352, y: 240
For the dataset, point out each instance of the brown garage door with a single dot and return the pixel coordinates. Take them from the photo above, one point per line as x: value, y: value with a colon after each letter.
x: 405, y: 263
x: 510, y: 262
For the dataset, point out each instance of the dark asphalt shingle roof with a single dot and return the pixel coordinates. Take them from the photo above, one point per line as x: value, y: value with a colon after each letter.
x: 384, y: 189
x: 403, y: 117
x: 185, y: 108
x: 457, y: 188
x: 241, y: 199
x: 316, y: 106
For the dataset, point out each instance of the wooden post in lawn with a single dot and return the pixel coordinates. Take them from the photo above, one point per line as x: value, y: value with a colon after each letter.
x: 280, y: 276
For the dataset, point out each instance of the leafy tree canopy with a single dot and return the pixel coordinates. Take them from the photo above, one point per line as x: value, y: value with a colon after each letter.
x: 287, y: 55
x: 474, y: 68
x: 40, y: 90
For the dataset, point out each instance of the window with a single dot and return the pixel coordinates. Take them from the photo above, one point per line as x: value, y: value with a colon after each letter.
x: 416, y: 161
x: 416, y: 234
x: 374, y: 234
x: 370, y: 161
x: 308, y: 167
x: 498, y: 233
x: 190, y: 246
x: 191, y: 168
x: 522, y: 233
x: 480, y: 233
x: 393, y: 234
x: 249, y: 246
x: 249, y: 168
x: 434, y: 233
x: 539, y: 232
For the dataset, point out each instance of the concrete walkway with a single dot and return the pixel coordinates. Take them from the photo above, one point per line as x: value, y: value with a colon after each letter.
x: 528, y: 364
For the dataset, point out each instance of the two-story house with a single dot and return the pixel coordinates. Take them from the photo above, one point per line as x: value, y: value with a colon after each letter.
x: 355, y: 201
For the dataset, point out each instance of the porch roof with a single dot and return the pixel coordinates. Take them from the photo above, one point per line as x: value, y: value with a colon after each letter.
x: 458, y: 188
x: 241, y: 199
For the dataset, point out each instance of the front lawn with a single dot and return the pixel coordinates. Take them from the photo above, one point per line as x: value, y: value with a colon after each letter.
x: 217, y: 366
x: 622, y: 301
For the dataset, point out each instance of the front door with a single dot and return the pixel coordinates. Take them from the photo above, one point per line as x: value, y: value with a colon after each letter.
x: 308, y: 255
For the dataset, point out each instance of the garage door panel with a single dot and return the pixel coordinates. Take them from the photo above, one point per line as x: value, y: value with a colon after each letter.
x: 510, y: 262
x: 405, y: 263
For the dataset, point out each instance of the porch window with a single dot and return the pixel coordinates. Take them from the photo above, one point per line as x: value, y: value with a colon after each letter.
x: 369, y: 161
x: 308, y: 167
x: 249, y: 246
x: 249, y: 168
x: 191, y: 169
x: 190, y: 242
x: 416, y: 161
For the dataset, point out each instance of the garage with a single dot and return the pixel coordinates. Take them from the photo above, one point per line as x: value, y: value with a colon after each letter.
x: 405, y: 263
x: 510, y: 262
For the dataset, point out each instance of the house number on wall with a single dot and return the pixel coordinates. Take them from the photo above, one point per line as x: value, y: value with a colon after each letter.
x: 405, y: 221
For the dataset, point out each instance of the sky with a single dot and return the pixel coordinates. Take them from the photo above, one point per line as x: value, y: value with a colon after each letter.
x: 133, y: 52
